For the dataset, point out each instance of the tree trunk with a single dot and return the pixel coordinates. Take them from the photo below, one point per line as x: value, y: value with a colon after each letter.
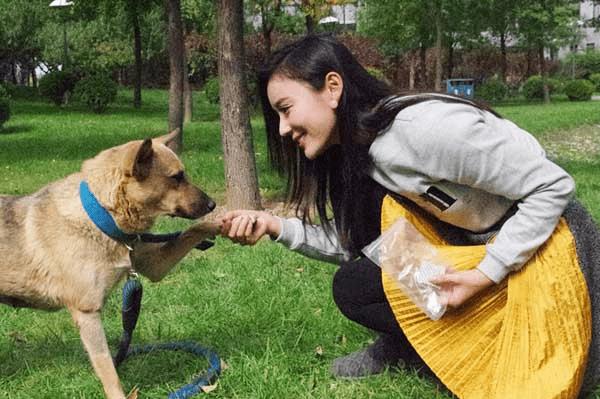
x: 13, y: 73
x: 137, y: 51
x: 310, y: 24
x: 188, y: 100
x: 412, y: 71
x: 450, y: 62
x: 529, y: 68
x: 267, y: 38
x: 504, y: 58
x: 267, y: 28
x: 423, y: 66
x: 543, y: 74
x: 236, y: 132
x: 176, y: 58
x: 438, y: 52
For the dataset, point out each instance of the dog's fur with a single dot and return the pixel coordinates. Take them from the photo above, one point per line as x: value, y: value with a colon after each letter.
x: 52, y: 256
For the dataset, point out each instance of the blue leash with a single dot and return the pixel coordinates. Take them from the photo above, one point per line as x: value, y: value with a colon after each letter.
x: 132, y: 301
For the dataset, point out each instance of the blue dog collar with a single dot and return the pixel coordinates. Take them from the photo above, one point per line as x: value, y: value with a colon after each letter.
x: 101, y: 218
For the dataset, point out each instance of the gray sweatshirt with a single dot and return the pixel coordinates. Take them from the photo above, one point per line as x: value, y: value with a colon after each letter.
x: 465, y: 167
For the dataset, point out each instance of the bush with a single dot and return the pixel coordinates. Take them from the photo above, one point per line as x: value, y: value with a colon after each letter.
x: 97, y: 91
x: 556, y: 86
x: 533, y: 88
x: 4, y: 105
x: 579, y: 90
x: 595, y: 79
x: 376, y: 73
x: 56, y: 84
x: 492, y: 90
x: 4, y: 110
x: 252, y: 86
x: 4, y: 93
x: 585, y: 63
x: 211, y: 90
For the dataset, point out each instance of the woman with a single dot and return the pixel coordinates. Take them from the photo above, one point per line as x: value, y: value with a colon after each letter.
x: 463, y: 176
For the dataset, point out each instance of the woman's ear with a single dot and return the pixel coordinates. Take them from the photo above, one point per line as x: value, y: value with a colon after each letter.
x: 334, y: 86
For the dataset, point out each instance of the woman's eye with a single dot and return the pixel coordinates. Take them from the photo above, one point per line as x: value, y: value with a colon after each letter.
x: 179, y: 177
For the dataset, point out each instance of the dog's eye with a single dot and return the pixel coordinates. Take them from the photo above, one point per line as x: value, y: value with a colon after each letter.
x: 179, y: 177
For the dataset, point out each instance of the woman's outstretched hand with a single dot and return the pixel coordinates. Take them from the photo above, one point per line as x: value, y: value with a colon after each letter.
x: 459, y: 286
x: 247, y: 227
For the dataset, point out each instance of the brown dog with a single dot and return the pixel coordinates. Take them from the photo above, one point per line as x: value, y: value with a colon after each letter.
x: 52, y: 255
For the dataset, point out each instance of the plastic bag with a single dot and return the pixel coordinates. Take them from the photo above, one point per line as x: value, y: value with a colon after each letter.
x: 410, y: 260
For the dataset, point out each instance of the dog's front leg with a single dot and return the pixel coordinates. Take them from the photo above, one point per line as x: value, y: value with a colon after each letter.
x: 155, y: 260
x: 94, y: 341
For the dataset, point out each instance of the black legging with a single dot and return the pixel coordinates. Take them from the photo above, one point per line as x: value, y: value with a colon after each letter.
x: 358, y: 293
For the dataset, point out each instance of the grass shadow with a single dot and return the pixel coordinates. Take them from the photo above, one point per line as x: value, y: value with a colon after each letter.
x: 16, y: 129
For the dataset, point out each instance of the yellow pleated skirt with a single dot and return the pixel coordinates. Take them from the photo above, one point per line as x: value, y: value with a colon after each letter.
x: 527, y: 337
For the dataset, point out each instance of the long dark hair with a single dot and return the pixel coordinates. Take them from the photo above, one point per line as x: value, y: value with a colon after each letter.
x: 339, y: 175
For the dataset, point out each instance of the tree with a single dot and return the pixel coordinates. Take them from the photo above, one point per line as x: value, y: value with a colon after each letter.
x: 314, y: 10
x: 501, y: 21
x: 125, y: 18
x: 269, y: 11
x: 393, y: 23
x: 198, y: 16
x: 21, y: 22
x: 133, y: 9
x: 236, y: 134
x: 546, y: 24
x: 176, y: 62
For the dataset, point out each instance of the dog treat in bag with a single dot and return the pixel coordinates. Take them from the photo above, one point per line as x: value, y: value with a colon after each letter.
x: 410, y: 260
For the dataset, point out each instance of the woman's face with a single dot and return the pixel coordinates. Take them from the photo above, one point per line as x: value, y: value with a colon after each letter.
x: 305, y: 114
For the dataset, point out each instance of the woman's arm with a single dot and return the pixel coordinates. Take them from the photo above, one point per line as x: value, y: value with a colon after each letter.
x: 247, y: 227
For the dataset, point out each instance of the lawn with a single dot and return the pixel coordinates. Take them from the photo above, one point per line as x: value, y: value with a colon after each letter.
x: 266, y: 311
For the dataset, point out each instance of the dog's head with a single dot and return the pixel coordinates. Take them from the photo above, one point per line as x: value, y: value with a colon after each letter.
x: 151, y: 182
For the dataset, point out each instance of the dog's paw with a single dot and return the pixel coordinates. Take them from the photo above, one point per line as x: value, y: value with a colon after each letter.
x: 207, y: 229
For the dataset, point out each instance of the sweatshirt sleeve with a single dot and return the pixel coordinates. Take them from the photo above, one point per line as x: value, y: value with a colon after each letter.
x: 312, y: 241
x: 477, y: 149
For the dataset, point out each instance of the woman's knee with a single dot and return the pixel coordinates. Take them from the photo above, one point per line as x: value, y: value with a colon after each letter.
x: 355, y: 285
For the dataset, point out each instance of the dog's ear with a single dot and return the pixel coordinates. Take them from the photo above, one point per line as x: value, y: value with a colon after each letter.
x: 139, y: 163
x: 170, y: 140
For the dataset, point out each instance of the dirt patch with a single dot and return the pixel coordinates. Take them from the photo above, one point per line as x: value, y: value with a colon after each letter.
x: 579, y: 144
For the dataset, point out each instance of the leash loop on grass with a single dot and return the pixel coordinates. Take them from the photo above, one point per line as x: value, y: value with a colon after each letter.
x: 132, y: 301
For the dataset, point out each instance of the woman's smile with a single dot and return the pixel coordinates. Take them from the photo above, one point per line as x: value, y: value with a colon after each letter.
x: 306, y: 114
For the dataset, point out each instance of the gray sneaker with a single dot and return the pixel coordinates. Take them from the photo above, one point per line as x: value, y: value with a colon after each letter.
x: 374, y: 359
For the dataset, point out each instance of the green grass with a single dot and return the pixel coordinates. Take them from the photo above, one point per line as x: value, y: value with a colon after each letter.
x: 264, y: 309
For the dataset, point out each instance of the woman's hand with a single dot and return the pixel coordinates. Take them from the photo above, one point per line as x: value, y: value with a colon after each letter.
x: 247, y: 227
x: 458, y: 286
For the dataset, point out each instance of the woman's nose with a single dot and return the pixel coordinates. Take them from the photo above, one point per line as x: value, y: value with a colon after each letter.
x: 284, y: 127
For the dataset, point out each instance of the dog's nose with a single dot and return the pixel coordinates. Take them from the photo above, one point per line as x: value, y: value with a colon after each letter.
x: 211, y: 205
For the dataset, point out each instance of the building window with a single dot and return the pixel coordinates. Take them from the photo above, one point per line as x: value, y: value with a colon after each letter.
x: 573, y: 48
x: 590, y: 46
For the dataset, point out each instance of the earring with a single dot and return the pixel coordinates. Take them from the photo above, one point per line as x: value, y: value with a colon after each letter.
x: 334, y: 104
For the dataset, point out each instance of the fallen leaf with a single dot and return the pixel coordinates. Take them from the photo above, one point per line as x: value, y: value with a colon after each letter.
x: 134, y: 393
x: 17, y: 337
x: 300, y: 270
x: 319, y: 351
x: 224, y: 366
x: 208, y: 388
